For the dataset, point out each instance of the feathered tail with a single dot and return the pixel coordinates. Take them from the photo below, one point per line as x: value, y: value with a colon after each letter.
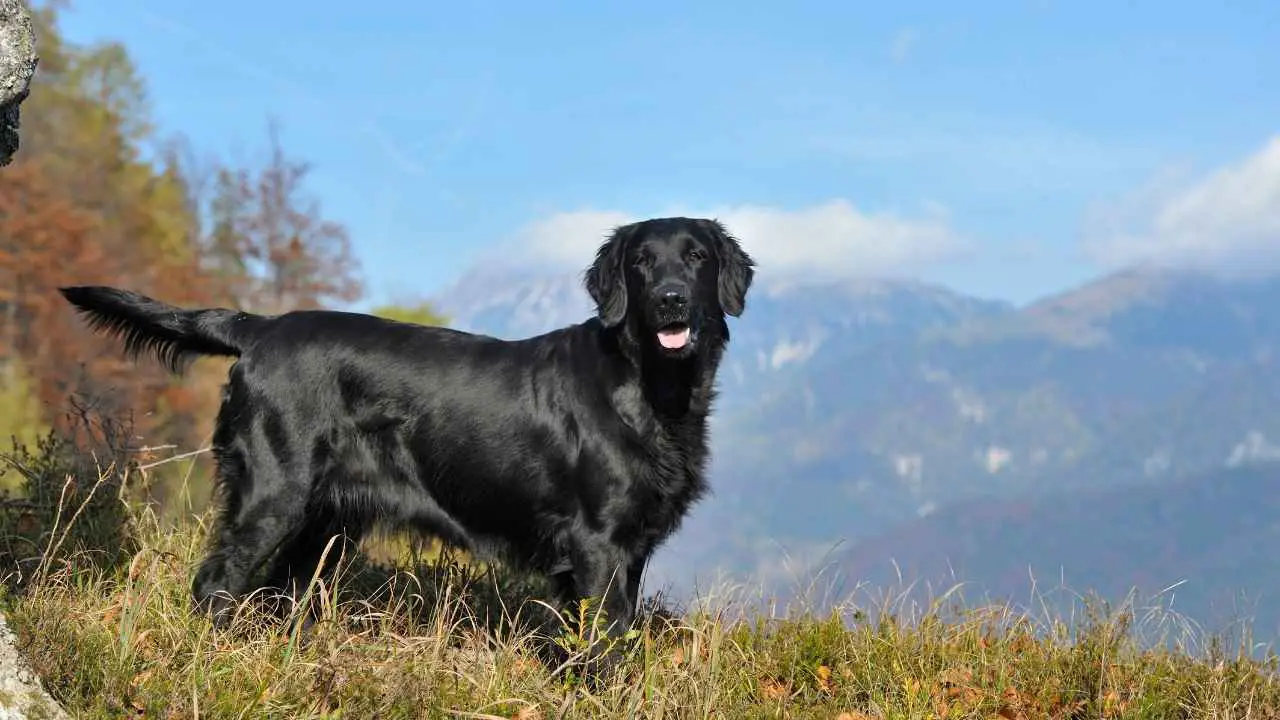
x: 171, y: 334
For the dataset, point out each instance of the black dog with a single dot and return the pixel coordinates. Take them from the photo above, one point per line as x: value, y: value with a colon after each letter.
x: 574, y: 453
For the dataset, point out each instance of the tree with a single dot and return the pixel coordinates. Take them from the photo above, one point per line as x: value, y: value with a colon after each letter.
x: 80, y: 205
x: 270, y: 243
x: 420, y: 313
x: 43, y: 238
x: 84, y: 204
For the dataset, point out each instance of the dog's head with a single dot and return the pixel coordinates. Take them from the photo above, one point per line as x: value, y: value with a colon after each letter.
x: 670, y: 282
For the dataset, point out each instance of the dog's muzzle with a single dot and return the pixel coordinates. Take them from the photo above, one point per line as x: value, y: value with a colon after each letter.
x: 671, y: 316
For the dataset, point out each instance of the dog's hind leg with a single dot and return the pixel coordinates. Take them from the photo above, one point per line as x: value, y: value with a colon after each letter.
x: 266, y: 506
x: 242, y: 545
x: 300, y: 558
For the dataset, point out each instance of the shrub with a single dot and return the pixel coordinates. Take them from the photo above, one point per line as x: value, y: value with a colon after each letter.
x: 69, y: 498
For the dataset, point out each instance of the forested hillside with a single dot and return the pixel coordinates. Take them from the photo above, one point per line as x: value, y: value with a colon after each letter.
x: 99, y: 194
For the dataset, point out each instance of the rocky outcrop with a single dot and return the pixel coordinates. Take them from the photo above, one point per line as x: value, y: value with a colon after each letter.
x: 18, y: 61
x: 22, y: 697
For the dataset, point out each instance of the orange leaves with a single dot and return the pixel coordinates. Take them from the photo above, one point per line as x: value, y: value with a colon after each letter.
x: 1064, y: 710
x: 271, y: 245
x: 689, y: 652
x: 1014, y: 705
x: 774, y: 690
x: 43, y: 238
x: 1021, y: 643
x: 677, y: 656
x: 955, y: 693
x: 961, y: 692
x: 822, y: 676
x: 1113, y: 705
x: 43, y: 235
x: 80, y: 205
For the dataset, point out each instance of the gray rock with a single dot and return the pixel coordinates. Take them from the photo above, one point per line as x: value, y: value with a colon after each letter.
x: 22, y: 697
x: 18, y: 61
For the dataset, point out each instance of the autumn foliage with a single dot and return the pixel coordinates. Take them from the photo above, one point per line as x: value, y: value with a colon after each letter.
x: 97, y: 195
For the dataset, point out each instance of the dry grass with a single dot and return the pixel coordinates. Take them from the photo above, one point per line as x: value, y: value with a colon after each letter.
x: 444, y: 641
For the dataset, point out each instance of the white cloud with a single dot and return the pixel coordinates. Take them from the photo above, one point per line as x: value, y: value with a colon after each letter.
x: 566, y: 238
x: 829, y: 241
x: 1227, y: 221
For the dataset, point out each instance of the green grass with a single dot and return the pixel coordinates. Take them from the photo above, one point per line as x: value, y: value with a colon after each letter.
x: 116, y: 641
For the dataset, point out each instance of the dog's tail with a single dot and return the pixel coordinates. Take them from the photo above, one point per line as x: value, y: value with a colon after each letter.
x: 171, y: 334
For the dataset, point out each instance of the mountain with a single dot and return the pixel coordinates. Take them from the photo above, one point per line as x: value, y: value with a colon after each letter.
x: 1210, y: 537
x: 785, y: 327
x: 1138, y: 378
x: 513, y: 304
x: 852, y: 411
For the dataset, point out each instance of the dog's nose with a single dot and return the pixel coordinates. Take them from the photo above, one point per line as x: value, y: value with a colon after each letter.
x: 672, y: 299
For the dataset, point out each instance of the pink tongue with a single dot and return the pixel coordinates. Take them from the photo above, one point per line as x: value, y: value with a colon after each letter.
x: 674, y: 339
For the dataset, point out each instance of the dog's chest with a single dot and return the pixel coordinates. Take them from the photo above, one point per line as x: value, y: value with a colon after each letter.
x: 666, y: 483
x: 665, y: 455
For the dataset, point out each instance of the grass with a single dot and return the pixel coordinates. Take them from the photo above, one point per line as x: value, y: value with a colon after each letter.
x: 446, y: 641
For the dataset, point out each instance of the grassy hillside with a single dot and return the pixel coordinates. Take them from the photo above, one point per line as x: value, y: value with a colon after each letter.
x: 116, y: 639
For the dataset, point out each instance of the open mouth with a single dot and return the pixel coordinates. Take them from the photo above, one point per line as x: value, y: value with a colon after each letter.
x: 674, y: 336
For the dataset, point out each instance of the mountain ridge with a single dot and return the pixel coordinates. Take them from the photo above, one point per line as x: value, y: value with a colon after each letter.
x: 852, y: 410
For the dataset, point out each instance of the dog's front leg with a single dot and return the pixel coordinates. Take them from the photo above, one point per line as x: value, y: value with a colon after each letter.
x: 635, y: 570
x: 603, y: 574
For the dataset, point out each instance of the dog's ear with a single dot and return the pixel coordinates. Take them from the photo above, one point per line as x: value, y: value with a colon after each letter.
x: 606, y: 279
x: 737, y: 269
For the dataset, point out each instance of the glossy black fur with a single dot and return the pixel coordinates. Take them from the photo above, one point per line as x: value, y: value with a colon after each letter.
x: 574, y: 453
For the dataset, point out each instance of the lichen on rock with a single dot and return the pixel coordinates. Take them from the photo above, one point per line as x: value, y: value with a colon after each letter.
x: 18, y: 60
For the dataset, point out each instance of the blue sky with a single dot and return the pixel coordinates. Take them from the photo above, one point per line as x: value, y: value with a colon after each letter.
x: 1006, y: 149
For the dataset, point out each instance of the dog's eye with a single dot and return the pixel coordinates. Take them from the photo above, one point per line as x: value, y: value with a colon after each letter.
x: 640, y: 260
x: 696, y: 254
